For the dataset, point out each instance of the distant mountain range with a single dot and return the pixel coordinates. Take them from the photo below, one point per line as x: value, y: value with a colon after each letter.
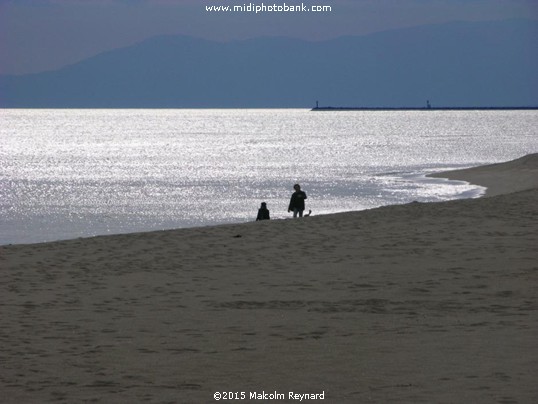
x: 455, y: 64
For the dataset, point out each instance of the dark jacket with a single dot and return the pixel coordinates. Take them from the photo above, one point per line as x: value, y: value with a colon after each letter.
x: 297, y: 200
x: 263, y: 214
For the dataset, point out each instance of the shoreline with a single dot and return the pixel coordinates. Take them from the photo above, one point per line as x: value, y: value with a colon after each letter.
x: 422, y: 302
x: 496, y: 178
x: 500, y: 178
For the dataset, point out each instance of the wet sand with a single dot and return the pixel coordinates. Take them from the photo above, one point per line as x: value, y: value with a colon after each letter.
x: 433, y: 303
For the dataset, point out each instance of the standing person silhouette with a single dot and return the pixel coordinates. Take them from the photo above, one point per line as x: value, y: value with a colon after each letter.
x: 297, y: 201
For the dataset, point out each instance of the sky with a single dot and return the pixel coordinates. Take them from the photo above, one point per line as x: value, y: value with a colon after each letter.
x: 40, y: 35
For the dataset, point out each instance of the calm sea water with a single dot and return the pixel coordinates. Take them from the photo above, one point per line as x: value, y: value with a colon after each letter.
x: 74, y: 173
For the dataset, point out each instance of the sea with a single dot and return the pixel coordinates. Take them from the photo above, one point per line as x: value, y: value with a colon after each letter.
x: 68, y: 173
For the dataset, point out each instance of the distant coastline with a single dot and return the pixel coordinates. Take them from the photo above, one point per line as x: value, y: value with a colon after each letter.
x: 423, y: 108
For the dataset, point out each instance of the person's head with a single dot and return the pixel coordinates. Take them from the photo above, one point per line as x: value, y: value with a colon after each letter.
x: 297, y: 187
x: 264, y: 205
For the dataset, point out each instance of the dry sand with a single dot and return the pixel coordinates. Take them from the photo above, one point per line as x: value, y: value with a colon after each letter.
x: 432, y: 303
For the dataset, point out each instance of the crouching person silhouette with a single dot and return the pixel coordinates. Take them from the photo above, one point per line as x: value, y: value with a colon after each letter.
x: 263, y: 212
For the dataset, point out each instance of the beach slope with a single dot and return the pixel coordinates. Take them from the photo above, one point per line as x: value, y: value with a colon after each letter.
x: 413, y: 303
x: 500, y: 178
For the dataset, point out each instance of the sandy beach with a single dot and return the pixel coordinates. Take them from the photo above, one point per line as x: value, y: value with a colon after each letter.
x: 415, y: 303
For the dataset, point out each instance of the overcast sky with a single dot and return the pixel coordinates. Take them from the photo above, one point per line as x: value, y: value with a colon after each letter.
x: 37, y: 35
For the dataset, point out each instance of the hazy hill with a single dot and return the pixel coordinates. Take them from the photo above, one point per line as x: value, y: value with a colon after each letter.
x: 457, y: 64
